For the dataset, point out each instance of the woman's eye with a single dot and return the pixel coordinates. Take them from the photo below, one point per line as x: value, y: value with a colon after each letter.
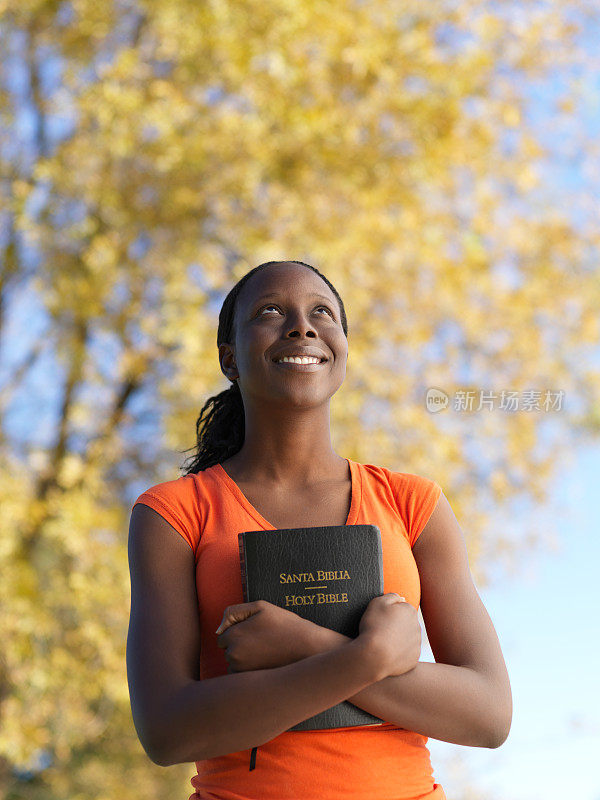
x: 317, y: 309
x: 327, y: 310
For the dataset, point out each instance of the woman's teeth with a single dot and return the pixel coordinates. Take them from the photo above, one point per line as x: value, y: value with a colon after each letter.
x: 303, y: 360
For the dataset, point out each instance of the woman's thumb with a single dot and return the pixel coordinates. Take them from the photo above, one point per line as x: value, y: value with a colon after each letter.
x: 233, y: 614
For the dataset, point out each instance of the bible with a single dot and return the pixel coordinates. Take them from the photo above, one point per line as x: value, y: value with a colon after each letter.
x: 327, y: 575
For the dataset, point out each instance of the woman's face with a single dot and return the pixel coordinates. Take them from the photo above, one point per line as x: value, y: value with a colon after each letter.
x: 283, y: 309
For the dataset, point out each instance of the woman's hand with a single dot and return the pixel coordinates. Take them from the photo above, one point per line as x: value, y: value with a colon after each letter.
x: 391, y: 633
x: 260, y: 635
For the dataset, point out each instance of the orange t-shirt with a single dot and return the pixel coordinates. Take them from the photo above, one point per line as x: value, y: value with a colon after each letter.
x: 382, y: 762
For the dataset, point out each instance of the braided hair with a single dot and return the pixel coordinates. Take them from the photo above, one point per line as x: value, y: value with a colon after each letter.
x: 220, y: 428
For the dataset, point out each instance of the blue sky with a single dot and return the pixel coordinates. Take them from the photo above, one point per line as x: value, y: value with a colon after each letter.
x: 546, y: 617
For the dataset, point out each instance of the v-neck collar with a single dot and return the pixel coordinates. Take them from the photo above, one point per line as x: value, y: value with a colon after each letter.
x: 355, y: 500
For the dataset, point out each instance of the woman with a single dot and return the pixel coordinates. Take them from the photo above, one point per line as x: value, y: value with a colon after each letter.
x: 264, y: 460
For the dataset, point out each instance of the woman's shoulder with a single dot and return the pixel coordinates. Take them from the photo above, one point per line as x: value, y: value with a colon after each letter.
x: 182, y: 502
x: 414, y: 495
x: 180, y: 489
x: 407, y: 483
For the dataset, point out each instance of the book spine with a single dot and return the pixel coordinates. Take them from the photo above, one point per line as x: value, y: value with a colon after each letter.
x: 242, y: 549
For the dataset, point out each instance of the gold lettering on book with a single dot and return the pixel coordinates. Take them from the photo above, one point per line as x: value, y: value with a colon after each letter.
x: 315, y: 599
x: 308, y: 577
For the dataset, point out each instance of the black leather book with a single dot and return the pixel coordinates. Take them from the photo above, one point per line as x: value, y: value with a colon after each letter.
x: 325, y: 574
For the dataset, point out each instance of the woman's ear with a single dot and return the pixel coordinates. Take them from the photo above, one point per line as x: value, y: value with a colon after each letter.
x: 227, y: 362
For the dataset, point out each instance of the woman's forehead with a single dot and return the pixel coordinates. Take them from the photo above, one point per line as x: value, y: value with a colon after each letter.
x: 285, y: 280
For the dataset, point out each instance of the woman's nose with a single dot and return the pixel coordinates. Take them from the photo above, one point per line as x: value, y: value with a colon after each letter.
x: 297, y: 321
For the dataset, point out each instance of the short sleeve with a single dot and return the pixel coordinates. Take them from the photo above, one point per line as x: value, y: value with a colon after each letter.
x: 176, y: 502
x: 417, y: 497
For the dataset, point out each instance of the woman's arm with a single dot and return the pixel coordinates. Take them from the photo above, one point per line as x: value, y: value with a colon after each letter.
x: 180, y: 718
x: 465, y: 697
x: 241, y: 710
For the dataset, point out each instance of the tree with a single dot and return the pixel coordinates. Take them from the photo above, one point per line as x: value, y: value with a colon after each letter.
x: 176, y: 144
